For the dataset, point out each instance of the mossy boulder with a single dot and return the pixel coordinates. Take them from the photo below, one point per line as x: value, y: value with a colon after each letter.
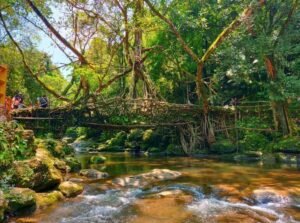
x: 46, y: 199
x: 61, y: 165
x: 38, y: 173
x: 21, y: 201
x: 3, y: 206
x: 97, y: 159
x: 135, y: 135
x: 118, y: 140
x: 152, y: 138
x: 92, y: 173
x: 154, y: 150
x: 54, y: 147
x: 70, y: 189
x: 73, y: 163
x: 35, y: 174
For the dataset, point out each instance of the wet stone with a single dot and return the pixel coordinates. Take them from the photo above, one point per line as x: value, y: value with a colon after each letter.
x: 94, y: 174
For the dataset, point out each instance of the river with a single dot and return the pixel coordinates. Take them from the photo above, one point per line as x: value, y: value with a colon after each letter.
x: 208, y: 191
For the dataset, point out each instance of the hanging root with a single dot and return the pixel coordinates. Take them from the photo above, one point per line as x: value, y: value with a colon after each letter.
x: 190, y: 138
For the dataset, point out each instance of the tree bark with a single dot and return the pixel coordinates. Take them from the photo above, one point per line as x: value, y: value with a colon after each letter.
x: 279, y: 108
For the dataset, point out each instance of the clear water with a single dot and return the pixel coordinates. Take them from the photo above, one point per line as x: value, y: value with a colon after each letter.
x: 211, y: 191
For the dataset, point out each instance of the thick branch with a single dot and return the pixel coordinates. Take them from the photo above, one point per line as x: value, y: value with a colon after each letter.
x: 27, y: 66
x: 56, y: 33
x: 102, y: 86
x: 247, y: 13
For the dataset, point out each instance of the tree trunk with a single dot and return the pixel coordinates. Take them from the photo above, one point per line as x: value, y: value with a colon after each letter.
x: 279, y: 108
x: 203, y: 96
x: 138, y: 35
x: 281, y: 117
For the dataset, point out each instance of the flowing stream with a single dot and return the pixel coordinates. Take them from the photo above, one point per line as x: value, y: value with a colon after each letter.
x: 208, y: 191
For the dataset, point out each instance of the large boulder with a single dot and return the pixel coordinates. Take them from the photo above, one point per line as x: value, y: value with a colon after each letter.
x: 145, y: 179
x: 38, y: 173
x: 70, y: 189
x: 46, y: 199
x: 94, y: 174
x: 3, y: 206
x: 21, y: 200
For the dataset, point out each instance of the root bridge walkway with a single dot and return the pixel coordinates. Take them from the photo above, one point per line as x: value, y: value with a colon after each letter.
x: 111, y: 114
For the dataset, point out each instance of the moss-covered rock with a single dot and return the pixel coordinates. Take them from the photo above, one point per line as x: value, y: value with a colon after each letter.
x: 3, y: 206
x: 73, y: 163
x: 70, y: 189
x: 60, y: 165
x: 118, y: 140
x: 46, y: 199
x: 97, y: 159
x: 154, y: 150
x: 38, y: 173
x: 92, y: 173
x: 21, y: 201
x: 145, y: 179
x: 135, y: 135
x: 152, y: 138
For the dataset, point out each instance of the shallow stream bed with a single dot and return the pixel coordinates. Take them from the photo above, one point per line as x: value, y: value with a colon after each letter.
x: 208, y: 191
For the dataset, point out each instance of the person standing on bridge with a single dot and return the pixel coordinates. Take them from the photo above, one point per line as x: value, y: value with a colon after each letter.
x: 43, y: 101
x: 17, y: 101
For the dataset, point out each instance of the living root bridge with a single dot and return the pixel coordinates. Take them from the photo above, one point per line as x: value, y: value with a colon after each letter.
x: 137, y: 126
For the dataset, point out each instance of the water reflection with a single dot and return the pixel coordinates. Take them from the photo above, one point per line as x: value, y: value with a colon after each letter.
x: 211, y: 191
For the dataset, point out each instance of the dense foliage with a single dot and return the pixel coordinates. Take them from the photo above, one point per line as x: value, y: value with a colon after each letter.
x: 209, y: 53
x: 13, y: 146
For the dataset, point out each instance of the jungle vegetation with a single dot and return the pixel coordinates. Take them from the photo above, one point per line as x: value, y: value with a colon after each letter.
x: 204, y: 52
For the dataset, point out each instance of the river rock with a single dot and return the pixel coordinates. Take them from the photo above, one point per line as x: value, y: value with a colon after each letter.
x: 61, y: 165
x: 269, y: 195
x: 214, y: 210
x: 70, y: 189
x: 163, y: 207
x: 92, y: 173
x: 27, y: 220
x: 38, y: 173
x: 47, y: 199
x: 145, y: 179
x: 67, y: 140
x: 3, y: 206
x: 73, y: 163
x: 21, y: 200
x: 97, y: 159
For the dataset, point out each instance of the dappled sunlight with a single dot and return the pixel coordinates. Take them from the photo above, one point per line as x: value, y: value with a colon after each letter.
x: 207, y: 191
